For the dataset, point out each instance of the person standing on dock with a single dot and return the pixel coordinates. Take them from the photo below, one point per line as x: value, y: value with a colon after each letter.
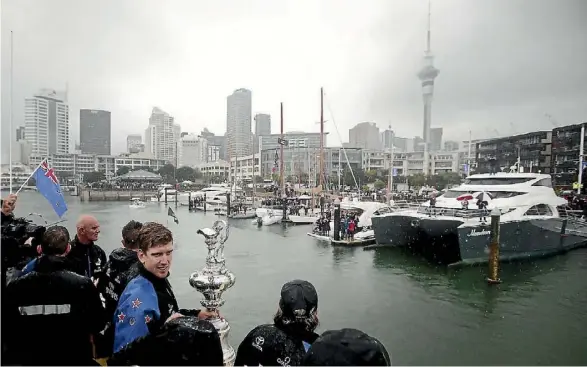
x: 87, y: 258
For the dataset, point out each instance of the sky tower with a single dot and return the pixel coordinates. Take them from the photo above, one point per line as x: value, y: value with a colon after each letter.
x: 427, y: 76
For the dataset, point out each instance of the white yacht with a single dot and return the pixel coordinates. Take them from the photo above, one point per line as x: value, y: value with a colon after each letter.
x: 217, y: 192
x: 531, y: 221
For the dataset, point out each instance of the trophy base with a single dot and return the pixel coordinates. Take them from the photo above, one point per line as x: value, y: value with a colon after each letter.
x: 228, y: 352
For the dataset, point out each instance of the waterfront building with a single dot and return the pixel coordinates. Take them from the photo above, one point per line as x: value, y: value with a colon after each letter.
x: 534, y: 150
x: 192, y: 150
x: 219, y: 169
x: 365, y: 135
x: 566, y: 141
x: 295, y: 139
x: 46, y: 118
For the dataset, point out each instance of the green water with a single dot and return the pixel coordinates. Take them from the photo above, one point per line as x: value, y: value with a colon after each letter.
x: 423, y: 314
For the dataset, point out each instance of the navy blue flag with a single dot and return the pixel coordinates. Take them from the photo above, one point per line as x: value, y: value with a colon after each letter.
x: 48, y: 186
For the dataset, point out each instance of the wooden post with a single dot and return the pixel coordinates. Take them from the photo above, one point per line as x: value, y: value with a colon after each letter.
x: 176, y: 189
x: 165, y: 191
x: 336, y: 220
x: 494, y: 248
x: 228, y: 204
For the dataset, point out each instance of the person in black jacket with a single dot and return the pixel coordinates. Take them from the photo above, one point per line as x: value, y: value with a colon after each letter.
x: 87, y: 258
x: 52, y: 312
x: 147, y: 301
x: 116, y: 276
x: 286, y: 341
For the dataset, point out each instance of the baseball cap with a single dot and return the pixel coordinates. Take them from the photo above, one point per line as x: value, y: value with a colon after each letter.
x: 346, y: 347
x: 298, y: 299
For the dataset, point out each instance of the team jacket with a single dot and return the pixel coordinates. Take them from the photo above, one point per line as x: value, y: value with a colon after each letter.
x: 88, y: 260
x: 144, y: 306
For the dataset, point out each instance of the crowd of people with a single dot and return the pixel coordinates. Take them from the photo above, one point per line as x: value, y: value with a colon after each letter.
x: 72, y: 305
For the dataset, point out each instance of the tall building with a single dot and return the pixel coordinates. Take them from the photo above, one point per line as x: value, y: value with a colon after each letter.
x: 365, y: 135
x: 46, y: 119
x: 435, y: 139
x: 20, y: 131
x: 132, y: 142
x: 451, y: 146
x: 161, y: 136
x: 94, y: 131
x: 238, y: 123
x: 387, y: 138
x: 427, y: 76
x: 262, y: 124
x: 193, y: 151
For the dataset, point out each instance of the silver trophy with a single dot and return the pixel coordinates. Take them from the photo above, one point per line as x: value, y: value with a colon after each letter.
x: 213, y: 280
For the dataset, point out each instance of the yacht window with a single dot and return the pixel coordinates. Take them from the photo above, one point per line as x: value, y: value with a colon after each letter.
x: 540, y: 209
x: 383, y: 210
x: 451, y: 194
x: 497, y: 180
x: 547, y: 182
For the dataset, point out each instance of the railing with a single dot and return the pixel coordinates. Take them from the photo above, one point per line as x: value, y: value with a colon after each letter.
x: 461, y: 213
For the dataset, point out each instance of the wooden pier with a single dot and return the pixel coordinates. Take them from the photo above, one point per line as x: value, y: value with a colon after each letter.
x: 115, y: 195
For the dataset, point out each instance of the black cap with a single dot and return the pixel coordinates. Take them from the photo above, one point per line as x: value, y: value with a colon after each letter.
x: 298, y: 299
x: 346, y: 347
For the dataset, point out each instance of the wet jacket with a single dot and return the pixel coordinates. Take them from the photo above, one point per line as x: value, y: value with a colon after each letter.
x: 144, y: 306
x: 87, y: 259
x: 51, y: 313
x: 271, y: 345
x: 113, y: 282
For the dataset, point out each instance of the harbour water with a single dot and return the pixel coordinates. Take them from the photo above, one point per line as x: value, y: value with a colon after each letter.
x: 423, y: 314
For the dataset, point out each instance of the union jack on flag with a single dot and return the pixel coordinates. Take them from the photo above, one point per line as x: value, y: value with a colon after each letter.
x: 48, y: 186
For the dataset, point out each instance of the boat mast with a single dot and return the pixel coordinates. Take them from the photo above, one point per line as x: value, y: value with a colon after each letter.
x: 469, y: 155
x: 581, y: 147
x: 281, y: 168
x: 390, y: 178
x: 321, y: 138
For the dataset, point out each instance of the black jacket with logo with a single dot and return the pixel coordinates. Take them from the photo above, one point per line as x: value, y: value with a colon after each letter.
x: 87, y: 259
x: 51, y: 313
x: 115, y: 277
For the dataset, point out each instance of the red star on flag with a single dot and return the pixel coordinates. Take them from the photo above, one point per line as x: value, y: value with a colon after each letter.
x: 147, y: 319
x: 121, y: 317
x: 136, y: 303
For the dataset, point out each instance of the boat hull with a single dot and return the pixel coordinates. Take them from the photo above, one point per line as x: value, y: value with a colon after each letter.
x: 521, y: 240
x: 395, y: 230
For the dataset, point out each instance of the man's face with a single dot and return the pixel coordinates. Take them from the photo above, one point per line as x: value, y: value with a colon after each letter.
x: 91, y: 230
x: 8, y: 204
x: 157, y: 259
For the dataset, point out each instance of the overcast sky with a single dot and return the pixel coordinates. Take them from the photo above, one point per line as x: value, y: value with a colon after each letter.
x: 503, y: 63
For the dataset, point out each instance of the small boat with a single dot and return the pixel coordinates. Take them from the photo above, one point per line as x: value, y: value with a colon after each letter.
x: 136, y: 203
x: 271, y: 218
x: 319, y: 236
x: 362, y: 238
x: 249, y: 215
x: 303, y: 219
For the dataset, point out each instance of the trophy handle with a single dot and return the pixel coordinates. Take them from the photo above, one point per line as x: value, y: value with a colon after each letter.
x: 222, y: 228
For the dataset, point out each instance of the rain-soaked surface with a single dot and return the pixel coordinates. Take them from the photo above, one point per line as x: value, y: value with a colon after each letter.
x: 423, y: 314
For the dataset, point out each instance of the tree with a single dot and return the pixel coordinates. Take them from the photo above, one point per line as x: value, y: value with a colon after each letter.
x: 91, y: 177
x: 365, y: 188
x: 185, y: 174
x: 379, y: 184
x: 167, y: 172
x: 417, y: 180
x: 123, y: 170
x: 370, y: 176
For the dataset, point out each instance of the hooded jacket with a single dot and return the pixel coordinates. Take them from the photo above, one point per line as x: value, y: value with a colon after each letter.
x: 144, y: 306
x: 272, y: 345
x: 53, y: 311
x: 114, y: 279
x: 87, y: 259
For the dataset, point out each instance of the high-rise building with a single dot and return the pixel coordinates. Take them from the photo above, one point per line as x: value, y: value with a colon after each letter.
x: 262, y: 124
x: 46, y: 119
x: 238, y: 123
x: 20, y: 131
x: 94, y: 131
x: 427, y: 75
x: 387, y: 138
x: 162, y: 135
x: 193, y: 151
x: 132, y: 142
x: 435, y: 139
x: 451, y: 146
x: 365, y: 135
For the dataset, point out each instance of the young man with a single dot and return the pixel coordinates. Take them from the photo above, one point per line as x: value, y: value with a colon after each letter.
x: 88, y: 259
x: 57, y: 308
x: 148, y: 300
x: 286, y: 341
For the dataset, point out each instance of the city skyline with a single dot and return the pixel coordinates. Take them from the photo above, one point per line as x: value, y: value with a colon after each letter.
x: 491, y: 80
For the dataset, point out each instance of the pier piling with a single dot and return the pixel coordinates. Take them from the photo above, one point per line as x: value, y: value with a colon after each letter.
x: 228, y: 205
x: 494, y: 248
x: 204, y: 202
x: 336, y: 220
x: 166, y: 196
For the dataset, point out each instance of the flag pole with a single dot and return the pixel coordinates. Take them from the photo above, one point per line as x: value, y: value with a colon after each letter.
x: 32, y: 174
x: 10, y: 116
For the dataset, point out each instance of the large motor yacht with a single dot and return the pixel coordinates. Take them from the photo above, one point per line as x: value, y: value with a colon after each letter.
x: 531, y: 221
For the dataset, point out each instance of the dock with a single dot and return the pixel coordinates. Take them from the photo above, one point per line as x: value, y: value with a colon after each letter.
x: 115, y: 195
x: 353, y: 243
